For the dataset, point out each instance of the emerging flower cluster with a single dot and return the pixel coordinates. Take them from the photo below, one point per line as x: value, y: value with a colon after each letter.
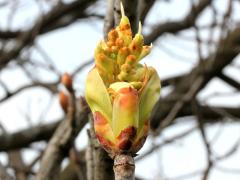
x: 120, y: 91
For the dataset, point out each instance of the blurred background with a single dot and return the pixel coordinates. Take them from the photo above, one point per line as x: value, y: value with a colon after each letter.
x: 195, y: 129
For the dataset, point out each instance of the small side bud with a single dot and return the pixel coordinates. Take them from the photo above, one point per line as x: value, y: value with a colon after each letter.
x: 63, y: 100
x: 66, y: 80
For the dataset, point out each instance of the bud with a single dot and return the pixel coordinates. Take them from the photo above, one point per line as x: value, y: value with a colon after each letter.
x: 64, y: 101
x: 120, y: 91
x: 66, y: 80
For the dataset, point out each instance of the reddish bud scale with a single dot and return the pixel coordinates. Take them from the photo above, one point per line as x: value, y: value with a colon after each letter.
x: 102, y: 127
x: 126, y: 137
x: 139, y: 142
x: 99, y: 119
x: 106, y: 144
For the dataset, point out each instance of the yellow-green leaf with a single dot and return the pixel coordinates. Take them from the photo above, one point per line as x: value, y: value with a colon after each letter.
x: 149, y: 97
x: 97, y: 96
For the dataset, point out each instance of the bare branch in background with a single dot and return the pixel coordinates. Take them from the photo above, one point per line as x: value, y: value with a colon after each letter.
x: 203, y: 73
x: 16, y: 162
x: 229, y: 81
x: 176, y: 26
x: 144, y: 7
x: 25, y: 137
x: 50, y: 21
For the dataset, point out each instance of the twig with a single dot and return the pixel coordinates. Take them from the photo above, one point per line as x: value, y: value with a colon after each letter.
x: 166, y: 141
x: 229, y: 81
x: 124, y: 167
x: 179, y: 105
x: 89, y: 158
x: 176, y: 26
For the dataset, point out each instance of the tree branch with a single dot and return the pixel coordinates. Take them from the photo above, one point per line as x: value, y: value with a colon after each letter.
x: 229, y: 81
x: 205, y: 70
x: 61, y: 142
x: 50, y: 21
x: 175, y: 26
x: 25, y: 137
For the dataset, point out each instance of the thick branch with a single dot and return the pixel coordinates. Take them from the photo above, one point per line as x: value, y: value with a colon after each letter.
x: 60, y: 143
x: 25, y: 137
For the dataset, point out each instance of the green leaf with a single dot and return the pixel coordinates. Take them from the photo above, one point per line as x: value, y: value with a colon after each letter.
x: 148, y: 98
x: 97, y: 96
x: 125, y: 109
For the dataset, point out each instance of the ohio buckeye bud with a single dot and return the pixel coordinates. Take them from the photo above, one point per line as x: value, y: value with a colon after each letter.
x: 120, y: 91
